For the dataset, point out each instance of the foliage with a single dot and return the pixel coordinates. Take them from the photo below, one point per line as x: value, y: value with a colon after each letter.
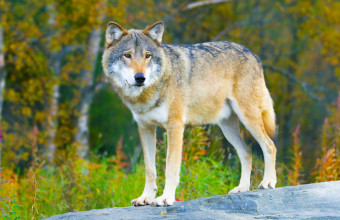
x: 301, y: 67
x: 104, y: 136
x: 327, y: 167
x: 46, y: 46
x: 9, y: 205
x: 295, y: 171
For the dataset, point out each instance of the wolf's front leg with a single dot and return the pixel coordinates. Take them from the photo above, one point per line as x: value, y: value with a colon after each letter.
x: 148, y: 137
x: 173, y: 163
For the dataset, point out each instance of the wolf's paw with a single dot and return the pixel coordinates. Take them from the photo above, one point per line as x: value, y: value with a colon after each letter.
x: 142, y: 200
x: 239, y: 189
x: 163, y: 201
x: 268, y: 183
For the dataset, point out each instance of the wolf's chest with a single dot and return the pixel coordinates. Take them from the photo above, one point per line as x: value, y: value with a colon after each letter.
x: 157, y: 115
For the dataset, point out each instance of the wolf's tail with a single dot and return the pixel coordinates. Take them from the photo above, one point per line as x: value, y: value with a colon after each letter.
x: 268, y: 118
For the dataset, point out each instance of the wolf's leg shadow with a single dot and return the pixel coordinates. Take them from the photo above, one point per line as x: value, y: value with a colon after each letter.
x: 148, y: 138
x: 231, y: 130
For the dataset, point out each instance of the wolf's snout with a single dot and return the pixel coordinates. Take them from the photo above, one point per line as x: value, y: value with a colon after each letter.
x: 139, y: 77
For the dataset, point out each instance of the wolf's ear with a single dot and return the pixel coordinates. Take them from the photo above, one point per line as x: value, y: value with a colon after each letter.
x: 155, y: 31
x: 114, y: 32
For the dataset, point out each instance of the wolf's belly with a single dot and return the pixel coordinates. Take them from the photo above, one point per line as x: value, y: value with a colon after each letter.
x: 192, y: 115
x: 206, y: 114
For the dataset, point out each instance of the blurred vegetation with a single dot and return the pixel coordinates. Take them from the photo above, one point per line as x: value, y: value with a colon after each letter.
x: 68, y: 142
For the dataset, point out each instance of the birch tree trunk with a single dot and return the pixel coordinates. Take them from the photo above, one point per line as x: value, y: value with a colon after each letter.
x: 2, y: 69
x: 55, y: 63
x: 82, y: 135
x: 2, y: 78
x: 53, y: 110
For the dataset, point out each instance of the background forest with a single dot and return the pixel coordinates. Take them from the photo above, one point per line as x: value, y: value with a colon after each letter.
x: 68, y: 143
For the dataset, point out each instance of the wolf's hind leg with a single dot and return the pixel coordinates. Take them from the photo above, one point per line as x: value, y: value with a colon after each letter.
x: 253, y: 121
x: 148, y: 137
x: 269, y: 153
x: 231, y: 130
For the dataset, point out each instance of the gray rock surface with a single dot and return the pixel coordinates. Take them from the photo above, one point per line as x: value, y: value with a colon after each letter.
x: 311, y: 201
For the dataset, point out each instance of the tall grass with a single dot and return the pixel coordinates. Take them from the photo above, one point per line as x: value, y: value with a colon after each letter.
x: 79, y: 185
x: 295, y: 169
x: 327, y: 166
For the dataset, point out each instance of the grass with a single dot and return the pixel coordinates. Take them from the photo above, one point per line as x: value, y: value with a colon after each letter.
x: 80, y: 185
x: 101, y: 185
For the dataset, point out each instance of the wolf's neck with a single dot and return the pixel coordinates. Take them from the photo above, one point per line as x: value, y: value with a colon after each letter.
x: 148, y: 98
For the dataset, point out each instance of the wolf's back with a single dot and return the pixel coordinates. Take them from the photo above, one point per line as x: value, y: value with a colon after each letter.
x: 211, y: 49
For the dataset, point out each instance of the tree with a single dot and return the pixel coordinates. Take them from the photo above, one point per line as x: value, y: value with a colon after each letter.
x: 82, y: 135
x: 55, y: 63
x: 2, y: 57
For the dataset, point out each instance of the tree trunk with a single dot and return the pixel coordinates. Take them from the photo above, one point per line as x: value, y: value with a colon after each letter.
x: 53, y: 110
x: 2, y: 79
x: 289, y: 101
x: 82, y: 135
x: 2, y: 69
x: 55, y: 63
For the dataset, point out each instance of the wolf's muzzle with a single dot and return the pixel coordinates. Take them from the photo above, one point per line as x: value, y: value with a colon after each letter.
x: 140, y: 78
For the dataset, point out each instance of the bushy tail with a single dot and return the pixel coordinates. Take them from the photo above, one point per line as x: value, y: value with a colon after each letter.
x: 268, y: 118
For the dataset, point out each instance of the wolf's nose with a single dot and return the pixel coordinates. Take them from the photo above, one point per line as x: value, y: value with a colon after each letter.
x: 139, y: 77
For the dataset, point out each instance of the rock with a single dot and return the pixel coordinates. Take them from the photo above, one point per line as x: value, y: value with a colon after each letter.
x: 318, y: 200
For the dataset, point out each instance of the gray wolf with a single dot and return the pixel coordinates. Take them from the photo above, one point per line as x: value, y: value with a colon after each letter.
x: 176, y: 85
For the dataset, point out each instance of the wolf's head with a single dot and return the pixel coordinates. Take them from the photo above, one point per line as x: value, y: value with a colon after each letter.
x: 133, y: 59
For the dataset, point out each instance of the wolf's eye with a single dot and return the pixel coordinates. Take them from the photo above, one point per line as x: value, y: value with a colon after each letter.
x: 127, y: 55
x: 147, y: 56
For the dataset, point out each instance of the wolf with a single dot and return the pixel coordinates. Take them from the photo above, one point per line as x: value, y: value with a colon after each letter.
x: 177, y: 85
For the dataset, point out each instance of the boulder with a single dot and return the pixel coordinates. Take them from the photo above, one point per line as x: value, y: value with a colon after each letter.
x: 318, y: 200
